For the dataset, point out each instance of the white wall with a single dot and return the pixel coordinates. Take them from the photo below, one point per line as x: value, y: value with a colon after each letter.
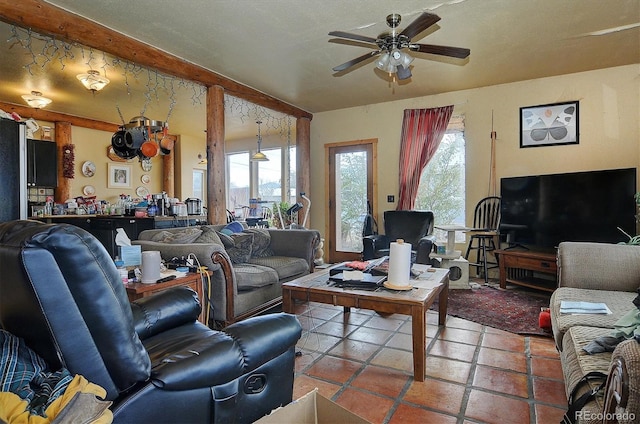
x: 609, y: 131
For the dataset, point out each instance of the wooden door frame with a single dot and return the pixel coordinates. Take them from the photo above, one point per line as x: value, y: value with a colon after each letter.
x: 374, y: 185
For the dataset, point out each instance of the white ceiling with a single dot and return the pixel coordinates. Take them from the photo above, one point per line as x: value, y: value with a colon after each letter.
x: 282, y: 48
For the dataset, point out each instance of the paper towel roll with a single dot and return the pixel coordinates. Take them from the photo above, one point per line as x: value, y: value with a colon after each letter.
x: 399, y: 263
x: 150, y: 266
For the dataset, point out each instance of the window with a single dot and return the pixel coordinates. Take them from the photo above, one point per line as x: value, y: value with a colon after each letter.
x: 198, y: 184
x: 270, y: 176
x: 238, y: 179
x: 442, y: 188
x: 293, y: 195
x: 274, y: 180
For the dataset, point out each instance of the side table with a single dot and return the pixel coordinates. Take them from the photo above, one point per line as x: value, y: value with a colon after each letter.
x: 518, y: 267
x: 192, y: 280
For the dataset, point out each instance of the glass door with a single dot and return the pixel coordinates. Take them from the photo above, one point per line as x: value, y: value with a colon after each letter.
x: 350, y: 187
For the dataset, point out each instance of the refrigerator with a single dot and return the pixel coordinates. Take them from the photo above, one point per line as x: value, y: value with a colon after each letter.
x: 13, y: 170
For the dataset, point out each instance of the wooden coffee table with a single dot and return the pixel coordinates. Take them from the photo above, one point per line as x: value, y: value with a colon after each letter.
x: 415, y: 302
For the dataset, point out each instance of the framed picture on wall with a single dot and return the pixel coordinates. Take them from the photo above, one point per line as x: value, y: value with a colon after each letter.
x: 549, y: 125
x: 119, y: 176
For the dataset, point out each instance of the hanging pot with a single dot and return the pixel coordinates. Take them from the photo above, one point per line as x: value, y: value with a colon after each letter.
x: 194, y: 206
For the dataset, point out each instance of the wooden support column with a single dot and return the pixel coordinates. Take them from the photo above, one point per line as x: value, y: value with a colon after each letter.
x: 303, y: 162
x: 168, y: 166
x: 63, y: 137
x: 216, y: 187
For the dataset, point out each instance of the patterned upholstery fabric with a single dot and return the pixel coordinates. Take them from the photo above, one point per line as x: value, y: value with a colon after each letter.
x: 576, y: 363
x: 209, y: 235
x: 630, y: 353
x: 251, y: 277
x: 240, y: 252
x: 619, y: 302
x: 189, y: 235
x: 261, y: 242
x: 285, y: 266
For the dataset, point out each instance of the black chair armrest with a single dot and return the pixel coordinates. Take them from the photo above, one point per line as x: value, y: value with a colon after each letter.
x: 424, y: 248
x: 373, y: 243
x: 265, y: 337
x: 165, y: 310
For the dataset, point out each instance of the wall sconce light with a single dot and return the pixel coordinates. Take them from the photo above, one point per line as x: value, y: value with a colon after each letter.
x: 259, y: 156
x: 92, y: 80
x: 36, y: 100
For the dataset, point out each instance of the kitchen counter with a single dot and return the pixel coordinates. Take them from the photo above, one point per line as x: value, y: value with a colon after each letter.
x: 103, y: 227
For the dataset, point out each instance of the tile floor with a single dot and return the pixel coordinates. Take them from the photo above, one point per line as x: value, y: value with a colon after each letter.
x: 475, y: 374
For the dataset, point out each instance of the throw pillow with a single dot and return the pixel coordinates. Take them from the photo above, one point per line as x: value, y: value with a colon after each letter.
x: 186, y: 236
x: 261, y: 242
x: 232, y: 227
x: 160, y: 236
x: 226, y: 239
x: 241, y: 251
x: 209, y: 235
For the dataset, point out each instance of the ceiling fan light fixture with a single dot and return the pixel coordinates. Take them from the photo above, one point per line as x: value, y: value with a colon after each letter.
x: 385, y: 65
x: 36, y: 100
x: 403, y: 73
x: 93, y: 81
x: 259, y: 156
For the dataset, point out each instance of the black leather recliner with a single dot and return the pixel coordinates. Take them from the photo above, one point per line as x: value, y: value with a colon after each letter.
x: 415, y: 227
x: 61, y: 293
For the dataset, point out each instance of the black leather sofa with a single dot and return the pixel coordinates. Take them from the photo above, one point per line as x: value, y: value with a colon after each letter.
x: 61, y: 293
x: 415, y: 227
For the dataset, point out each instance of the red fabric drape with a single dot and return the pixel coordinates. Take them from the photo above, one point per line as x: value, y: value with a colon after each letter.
x: 422, y: 131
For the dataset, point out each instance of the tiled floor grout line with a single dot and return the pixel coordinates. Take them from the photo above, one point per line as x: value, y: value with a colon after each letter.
x: 319, y: 315
x: 530, y: 390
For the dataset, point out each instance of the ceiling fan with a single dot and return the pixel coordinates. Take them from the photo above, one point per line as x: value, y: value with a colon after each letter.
x: 392, y: 45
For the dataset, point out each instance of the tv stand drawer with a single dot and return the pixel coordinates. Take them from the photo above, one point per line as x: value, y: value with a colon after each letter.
x: 531, y: 263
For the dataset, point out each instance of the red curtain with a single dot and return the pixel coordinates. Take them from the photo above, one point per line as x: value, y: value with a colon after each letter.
x: 422, y: 131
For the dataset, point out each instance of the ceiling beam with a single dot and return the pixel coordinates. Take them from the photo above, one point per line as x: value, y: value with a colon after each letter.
x: 51, y: 20
x: 49, y: 116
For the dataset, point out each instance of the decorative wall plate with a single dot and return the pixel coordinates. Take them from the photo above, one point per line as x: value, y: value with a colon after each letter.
x: 146, y: 164
x: 142, y: 191
x: 146, y: 179
x: 88, y: 169
x: 88, y: 190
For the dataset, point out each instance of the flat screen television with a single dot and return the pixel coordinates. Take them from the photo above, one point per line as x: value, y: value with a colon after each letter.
x: 543, y: 210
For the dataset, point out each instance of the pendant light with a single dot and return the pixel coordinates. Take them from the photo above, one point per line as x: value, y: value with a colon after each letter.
x: 259, y: 156
x: 36, y: 100
x: 92, y: 80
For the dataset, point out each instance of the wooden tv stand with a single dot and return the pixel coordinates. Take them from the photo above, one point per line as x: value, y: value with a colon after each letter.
x: 518, y: 267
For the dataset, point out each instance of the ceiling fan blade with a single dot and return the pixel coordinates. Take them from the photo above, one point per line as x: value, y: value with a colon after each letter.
x: 350, y: 36
x: 356, y: 61
x: 459, y: 52
x: 421, y: 23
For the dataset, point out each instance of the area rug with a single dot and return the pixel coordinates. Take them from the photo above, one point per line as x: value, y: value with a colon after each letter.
x: 505, y: 309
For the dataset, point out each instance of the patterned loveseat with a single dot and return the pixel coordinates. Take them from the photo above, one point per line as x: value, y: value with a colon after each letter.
x: 249, y: 265
x: 607, y: 273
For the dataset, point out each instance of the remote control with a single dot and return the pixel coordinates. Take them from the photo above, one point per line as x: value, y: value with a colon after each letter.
x: 165, y: 279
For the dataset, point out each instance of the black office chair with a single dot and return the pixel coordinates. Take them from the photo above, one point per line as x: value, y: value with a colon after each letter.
x: 484, y: 235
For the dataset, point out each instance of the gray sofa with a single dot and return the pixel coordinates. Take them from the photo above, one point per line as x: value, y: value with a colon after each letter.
x: 608, y: 273
x: 241, y: 285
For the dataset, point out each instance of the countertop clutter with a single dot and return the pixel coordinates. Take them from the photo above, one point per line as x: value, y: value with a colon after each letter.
x: 104, y: 227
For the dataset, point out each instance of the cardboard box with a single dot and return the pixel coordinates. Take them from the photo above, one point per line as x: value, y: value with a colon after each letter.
x: 312, y: 408
x: 131, y: 255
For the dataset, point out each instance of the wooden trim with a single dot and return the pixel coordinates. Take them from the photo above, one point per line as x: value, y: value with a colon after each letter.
x: 330, y: 202
x: 76, y: 29
x: 45, y: 115
x: 227, y: 271
x: 63, y: 137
